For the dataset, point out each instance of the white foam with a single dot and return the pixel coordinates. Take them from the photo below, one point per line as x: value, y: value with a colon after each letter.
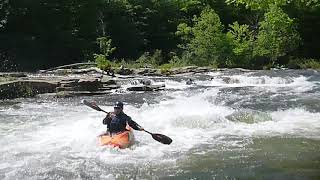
x: 296, y: 84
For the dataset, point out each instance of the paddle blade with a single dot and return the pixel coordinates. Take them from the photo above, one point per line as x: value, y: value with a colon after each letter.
x: 162, y: 138
x: 93, y: 105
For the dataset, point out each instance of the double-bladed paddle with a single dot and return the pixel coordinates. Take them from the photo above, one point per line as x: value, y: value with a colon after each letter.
x: 158, y: 137
x: 93, y: 105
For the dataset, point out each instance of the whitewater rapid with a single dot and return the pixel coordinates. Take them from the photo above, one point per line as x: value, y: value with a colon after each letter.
x: 216, y: 124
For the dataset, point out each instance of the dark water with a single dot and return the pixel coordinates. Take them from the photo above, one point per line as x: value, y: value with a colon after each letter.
x: 229, y: 125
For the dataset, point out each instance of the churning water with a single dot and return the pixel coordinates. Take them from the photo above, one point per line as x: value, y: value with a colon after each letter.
x: 228, y: 125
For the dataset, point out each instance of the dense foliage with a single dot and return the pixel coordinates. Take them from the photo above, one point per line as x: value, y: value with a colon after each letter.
x: 224, y: 33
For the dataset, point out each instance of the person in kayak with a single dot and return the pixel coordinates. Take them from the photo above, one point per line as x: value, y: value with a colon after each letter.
x: 117, y: 121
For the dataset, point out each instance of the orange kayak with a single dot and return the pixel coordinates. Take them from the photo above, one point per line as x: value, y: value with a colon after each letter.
x: 121, y: 140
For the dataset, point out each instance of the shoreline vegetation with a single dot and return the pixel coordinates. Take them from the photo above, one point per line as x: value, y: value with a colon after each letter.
x: 165, y: 34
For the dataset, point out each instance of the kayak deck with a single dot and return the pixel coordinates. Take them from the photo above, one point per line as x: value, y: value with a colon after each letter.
x: 121, y: 140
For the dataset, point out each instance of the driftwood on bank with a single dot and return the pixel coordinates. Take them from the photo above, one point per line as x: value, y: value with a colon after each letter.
x: 68, y: 66
x: 87, y: 70
x: 79, y: 71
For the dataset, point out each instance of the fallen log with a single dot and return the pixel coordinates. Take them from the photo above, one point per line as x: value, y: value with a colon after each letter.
x: 67, y: 66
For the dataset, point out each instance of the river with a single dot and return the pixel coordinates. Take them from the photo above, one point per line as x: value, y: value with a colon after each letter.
x: 228, y: 125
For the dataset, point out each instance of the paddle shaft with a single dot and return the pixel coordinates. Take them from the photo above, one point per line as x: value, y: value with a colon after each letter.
x: 105, y: 111
x: 147, y: 131
x: 93, y: 105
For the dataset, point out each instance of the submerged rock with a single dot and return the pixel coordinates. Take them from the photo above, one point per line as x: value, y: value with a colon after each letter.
x: 190, y: 82
x: 249, y: 116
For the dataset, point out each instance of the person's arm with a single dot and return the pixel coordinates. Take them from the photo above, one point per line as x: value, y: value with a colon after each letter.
x: 107, y: 119
x: 134, y: 125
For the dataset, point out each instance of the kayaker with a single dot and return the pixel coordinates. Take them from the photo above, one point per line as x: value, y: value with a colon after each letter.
x: 117, y: 121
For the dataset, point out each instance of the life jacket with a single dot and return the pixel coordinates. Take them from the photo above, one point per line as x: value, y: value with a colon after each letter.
x: 118, y: 123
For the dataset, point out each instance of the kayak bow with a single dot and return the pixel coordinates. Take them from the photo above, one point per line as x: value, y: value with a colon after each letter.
x: 121, y: 140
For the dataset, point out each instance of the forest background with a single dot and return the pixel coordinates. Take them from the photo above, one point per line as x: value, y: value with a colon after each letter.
x: 253, y: 34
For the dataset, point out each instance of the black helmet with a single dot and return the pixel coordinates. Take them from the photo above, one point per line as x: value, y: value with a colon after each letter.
x: 118, y: 104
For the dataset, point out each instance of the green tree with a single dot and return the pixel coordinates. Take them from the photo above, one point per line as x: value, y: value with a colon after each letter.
x: 242, y: 41
x: 266, y: 4
x: 106, y: 49
x: 306, y: 14
x: 277, y: 35
x: 105, y: 46
x: 207, y: 42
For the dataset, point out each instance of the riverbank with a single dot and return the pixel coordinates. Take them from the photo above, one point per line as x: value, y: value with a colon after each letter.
x: 70, y: 82
x: 87, y: 81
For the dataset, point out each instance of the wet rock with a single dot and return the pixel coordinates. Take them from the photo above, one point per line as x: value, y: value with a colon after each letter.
x: 184, y: 74
x: 89, y: 84
x: 229, y: 80
x: 94, y: 81
x: 186, y: 69
x: 108, y: 80
x: 189, y: 82
x: 70, y: 82
x: 25, y: 88
x: 242, y: 70
x: 135, y: 82
x: 145, y: 81
x: 65, y: 94
x: 13, y: 74
x: 124, y: 71
x: 109, y: 87
x: 84, y: 84
x: 141, y: 82
x: 189, y: 70
x: 62, y: 71
x: 146, y: 88
x: 157, y: 73
x: 203, y: 69
x: 144, y: 71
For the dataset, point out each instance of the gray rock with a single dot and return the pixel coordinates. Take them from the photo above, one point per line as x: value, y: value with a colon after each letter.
x: 146, y: 88
x: 145, y: 81
x: 124, y: 71
x: 25, y: 88
x: 109, y: 87
x: 13, y: 74
x: 189, y: 82
x: 108, y: 80
x: 143, y: 71
x: 65, y: 94
x: 186, y: 69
